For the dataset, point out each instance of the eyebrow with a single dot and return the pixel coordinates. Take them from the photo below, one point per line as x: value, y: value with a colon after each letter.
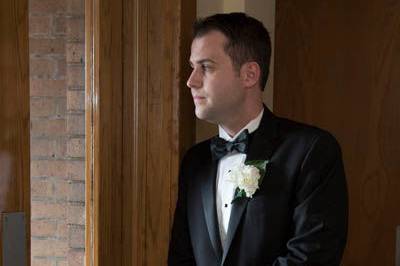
x: 202, y: 61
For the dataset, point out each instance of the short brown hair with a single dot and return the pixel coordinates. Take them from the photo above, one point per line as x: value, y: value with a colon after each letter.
x: 248, y: 39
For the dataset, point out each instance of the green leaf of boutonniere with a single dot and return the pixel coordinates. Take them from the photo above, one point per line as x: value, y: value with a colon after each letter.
x: 239, y: 193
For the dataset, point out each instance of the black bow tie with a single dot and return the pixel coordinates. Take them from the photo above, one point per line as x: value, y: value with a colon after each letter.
x: 220, y: 147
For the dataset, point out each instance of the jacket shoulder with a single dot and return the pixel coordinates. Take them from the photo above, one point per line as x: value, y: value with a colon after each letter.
x: 197, y: 151
x: 294, y: 131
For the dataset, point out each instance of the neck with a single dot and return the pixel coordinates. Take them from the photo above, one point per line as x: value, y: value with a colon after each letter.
x: 241, y: 119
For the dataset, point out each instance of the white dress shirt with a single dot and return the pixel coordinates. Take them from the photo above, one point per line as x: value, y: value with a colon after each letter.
x: 225, y: 189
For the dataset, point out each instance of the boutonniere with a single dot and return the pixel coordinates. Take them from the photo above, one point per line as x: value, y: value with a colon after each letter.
x: 247, y: 177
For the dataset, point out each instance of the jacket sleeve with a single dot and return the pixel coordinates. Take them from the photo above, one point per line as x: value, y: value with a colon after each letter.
x: 180, y: 248
x: 321, y: 208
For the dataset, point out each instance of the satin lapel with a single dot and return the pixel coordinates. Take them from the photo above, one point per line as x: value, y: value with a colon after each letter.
x: 209, y: 205
x: 261, y: 147
x: 238, y: 207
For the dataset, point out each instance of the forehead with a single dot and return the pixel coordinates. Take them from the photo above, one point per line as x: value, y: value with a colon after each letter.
x: 210, y: 45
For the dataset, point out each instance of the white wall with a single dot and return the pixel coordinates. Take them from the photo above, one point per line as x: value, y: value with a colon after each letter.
x: 208, y: 7
x: 263, y: 10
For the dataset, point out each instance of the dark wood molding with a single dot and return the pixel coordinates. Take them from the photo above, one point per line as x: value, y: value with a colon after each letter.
x: 14, y: 113
x: 89, y: 142
x: 139, y: 124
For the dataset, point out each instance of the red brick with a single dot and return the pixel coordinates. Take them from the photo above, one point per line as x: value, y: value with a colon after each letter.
x: 76, y: 257
x: 46, y: 6
x: 75, y: 53
x: 62, y: 106
x: 49, y: 247
x: 75, y: 100
x: 48, y: 210
x: 46, y: 46
x: 63, y: 262
x: 43, y: 107
x: 53, y: 148
x: 42, y: 68
x: 42, y: 261
x: 76, y: 236
x: 76, y: 147
x: 48, y: 127
x: 57, y: 201
x: 75, y: 76
x: 61, y: 189
x: 76, y: 124
x: 75, y: 29
x: 76, y: 7
x: 39, y: 25
x: 76, y: 170
x: 48, y: 168
x: 76, y: 214
x: 59, y: 26
x: 43, y: 228
x: 41, y: 188
x: 47, y: 87
x: 62, y: 230
x: 61, y: 69
x: 76, y: 191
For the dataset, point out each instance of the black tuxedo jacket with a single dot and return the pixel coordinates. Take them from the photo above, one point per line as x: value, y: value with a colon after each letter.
x: 297, y: 217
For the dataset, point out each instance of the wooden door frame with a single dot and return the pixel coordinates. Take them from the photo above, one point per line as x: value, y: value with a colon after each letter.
x: 14, y: 117
x: 122, y: 88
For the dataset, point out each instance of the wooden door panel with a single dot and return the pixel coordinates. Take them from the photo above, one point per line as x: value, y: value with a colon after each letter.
x: 14, y: 111
x: 337, y: 66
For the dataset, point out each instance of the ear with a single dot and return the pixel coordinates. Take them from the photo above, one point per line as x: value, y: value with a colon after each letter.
x: 250, y: 74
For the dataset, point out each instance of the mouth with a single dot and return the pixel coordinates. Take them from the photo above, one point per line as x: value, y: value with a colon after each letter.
x: 198, y: 98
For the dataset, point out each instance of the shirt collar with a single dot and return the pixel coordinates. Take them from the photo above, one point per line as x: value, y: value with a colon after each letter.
x: 251, y: 127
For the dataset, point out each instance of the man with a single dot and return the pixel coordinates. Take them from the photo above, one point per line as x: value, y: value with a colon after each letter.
x: 267, y: 191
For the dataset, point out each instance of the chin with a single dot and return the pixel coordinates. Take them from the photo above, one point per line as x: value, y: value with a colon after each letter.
x: 204, y: 115
x: 201, y: 113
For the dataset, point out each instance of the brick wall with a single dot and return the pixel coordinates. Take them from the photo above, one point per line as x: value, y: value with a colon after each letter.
x: 56, y: 38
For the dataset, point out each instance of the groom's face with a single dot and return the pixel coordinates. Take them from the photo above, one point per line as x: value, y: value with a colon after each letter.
x: 214, y: 82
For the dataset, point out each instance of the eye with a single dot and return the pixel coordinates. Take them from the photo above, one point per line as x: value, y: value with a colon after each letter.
x: 206, y: 68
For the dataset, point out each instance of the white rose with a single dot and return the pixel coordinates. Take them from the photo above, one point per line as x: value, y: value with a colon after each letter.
x: 245, y: 177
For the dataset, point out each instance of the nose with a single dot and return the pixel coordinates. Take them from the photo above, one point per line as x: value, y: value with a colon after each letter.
x: 194, y: 81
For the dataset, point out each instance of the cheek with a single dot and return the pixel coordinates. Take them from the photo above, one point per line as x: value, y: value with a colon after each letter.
x: 221, y: 88
x: 228, y: 90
